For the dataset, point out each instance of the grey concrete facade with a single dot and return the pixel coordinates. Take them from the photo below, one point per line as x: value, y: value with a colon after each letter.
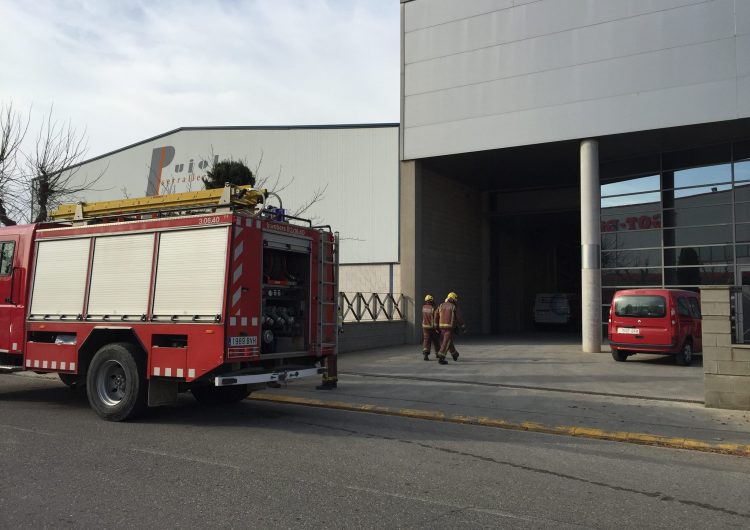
x: 726, y: 366
x: 500, y: 73
x: 497, y: 96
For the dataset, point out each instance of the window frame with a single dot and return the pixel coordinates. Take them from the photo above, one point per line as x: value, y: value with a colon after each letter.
x: 3, y: 257
x: 683, y: 306
x: 695, y: 308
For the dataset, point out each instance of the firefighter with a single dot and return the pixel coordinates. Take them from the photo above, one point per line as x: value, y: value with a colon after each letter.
x: 450, y: 322
x: 430, y: 333
x: 330, y: 376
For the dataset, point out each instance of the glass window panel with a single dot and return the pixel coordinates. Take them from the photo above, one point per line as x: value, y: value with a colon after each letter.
x: 703, y: 175
x: 695, y: 308
x: 697, y: 255
x: 629, y: 221
x: 699, y: 276
x: 639, y: 306
x: 636, y: 185
x: 631, y: 258
x: 742, y: 212
x: 631, y: 239
x: 645, y: 201
x: 607, y: 294
x: 631, y: 277
x: 743, y: 254
x: 699, y: 235
x: 677, y: 217
x: 742, y: 232
x: 683, y: 308
x: 705, y: 195
x: 6, y: 257
x: 742, y: 191
x: 742, y: 170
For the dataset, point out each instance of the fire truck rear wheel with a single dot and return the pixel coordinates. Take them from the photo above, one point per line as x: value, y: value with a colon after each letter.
x: 70, y: 380
x: 220, y: 395
x: 116, y: 382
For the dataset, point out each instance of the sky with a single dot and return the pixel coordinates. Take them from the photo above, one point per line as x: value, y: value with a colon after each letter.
x: 123, y: 71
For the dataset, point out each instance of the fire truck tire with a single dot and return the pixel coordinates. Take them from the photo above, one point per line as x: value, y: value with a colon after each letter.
x: 70, y: 380
x: 213, y: 396
x: 116, y: 382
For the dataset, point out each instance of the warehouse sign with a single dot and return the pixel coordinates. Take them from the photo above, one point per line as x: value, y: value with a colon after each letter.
x: 161, y: 158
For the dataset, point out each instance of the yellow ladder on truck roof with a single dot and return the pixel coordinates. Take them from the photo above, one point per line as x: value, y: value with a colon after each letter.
x: 230, y: 195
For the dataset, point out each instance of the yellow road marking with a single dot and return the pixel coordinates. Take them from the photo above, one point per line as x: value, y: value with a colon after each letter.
x: 582, y: 432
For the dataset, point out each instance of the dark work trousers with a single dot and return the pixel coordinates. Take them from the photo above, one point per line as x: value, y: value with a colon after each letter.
x: 430, y: 339
x: 331, y: 375
x: 446, y: 344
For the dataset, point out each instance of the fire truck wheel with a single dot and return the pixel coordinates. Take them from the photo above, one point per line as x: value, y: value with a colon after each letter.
x: 70, y: 380
x: 116, y: 383
x: 214, y: 396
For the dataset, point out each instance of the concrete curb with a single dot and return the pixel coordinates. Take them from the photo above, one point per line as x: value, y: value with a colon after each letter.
x: 581, y: 432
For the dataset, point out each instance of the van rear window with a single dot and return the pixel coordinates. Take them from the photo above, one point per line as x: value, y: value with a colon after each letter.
x: 641, y: 306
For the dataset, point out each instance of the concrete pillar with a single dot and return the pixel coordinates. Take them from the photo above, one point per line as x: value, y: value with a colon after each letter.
x: 410, y: 246
x: 591, y: 279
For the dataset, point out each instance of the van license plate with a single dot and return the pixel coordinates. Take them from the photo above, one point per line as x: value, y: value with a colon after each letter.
x: 629, y: 331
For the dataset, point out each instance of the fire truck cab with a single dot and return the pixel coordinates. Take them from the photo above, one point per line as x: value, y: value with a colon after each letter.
x: 210, y: 292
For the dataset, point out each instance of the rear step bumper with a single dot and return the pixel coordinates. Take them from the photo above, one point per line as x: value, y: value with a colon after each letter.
x: 280, y: 377
x: 7, y: 369
x: 635, y: 346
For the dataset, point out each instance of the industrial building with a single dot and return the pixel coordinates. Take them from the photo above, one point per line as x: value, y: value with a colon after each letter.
x: 572, y: 146
x: 349, y: 172
x: 545, y: 146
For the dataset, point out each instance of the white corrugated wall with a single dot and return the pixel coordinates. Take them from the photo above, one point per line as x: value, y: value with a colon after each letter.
x: 357, y: 167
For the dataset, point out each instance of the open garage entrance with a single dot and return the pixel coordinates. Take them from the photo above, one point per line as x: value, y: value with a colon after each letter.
x: 500, y: 227
x: 535, y: 255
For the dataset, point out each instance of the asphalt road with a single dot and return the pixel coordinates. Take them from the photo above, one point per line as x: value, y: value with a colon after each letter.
x: 262, y: 465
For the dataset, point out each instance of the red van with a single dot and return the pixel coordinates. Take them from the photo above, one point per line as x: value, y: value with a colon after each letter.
x: 655, y: 321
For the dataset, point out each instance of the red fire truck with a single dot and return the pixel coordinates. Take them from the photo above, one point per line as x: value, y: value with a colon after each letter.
x: 211, y: 292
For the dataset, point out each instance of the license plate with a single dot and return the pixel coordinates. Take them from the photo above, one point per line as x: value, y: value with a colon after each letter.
x: 629, y: 331
x: 243, y: 341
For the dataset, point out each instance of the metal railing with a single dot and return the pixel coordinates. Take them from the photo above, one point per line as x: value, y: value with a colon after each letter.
x: 371, y: 307
x: 739, y: 314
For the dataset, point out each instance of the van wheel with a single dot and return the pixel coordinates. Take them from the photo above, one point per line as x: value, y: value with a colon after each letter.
x: 620, y: 355
x: 116, y: 382
x: 213, y: 396
x: 685, y: 356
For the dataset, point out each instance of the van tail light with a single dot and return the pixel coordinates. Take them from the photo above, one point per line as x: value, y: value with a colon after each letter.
x: 672, y: 313
x: 673, y: 322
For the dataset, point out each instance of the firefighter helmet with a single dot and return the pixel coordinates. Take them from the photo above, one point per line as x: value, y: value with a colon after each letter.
x: 452, y: 297
x: 429, y: 298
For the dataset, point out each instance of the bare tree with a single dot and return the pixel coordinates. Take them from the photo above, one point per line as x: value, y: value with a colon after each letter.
x: 54, y: 165
x: 275, y: 184
x: 12, y: 133
x: 34, y: 182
